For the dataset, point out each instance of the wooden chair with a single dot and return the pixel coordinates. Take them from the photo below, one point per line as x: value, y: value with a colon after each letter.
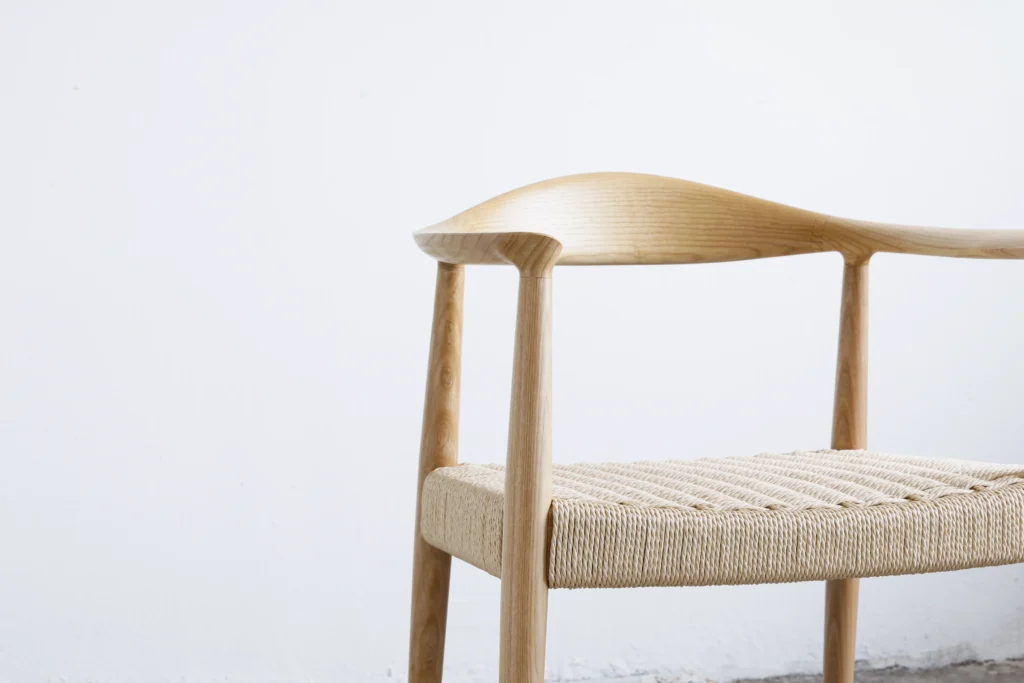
x: 830, y: 515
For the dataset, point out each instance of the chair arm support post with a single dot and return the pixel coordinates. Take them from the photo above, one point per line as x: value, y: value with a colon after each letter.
x: 439, y: 447
x: 524, y: 583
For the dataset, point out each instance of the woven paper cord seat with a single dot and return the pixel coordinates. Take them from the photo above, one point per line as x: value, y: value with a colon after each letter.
x: 760, y: 519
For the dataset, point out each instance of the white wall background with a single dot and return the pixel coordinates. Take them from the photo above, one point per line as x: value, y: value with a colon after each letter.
x: 213, y: 321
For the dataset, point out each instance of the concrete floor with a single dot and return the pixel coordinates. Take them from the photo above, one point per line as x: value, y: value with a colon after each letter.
x: 990, y: 672
x: 996, y: 672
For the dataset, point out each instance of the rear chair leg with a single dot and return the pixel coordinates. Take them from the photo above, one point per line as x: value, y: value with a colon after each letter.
x: 849, y: 431
x: 840, y: 630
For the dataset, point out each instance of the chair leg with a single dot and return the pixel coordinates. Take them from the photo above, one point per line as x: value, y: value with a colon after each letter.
x: 524, y: 589
x: 439, y: 447
x: 840, y: 630
x: 524, y: 614
x: 431, y: 569
x: 849, y: 431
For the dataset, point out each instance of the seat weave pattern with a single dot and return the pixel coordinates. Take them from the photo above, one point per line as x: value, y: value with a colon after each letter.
x: 761, y: 519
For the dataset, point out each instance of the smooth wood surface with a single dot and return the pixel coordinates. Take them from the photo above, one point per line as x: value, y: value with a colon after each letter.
x: 840, y: 630
x: 629, y: 218
x: 439, y: 447
x: 850, y: 404
x: 849, y: 431
x: 524, y: 588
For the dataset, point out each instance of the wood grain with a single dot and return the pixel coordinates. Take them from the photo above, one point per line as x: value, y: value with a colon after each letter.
x: 629, y: 218
x: 849, y: 431
x: 840, y: 630
x: 439, y: 447
x: 850, y: 403
x: 524, y: 587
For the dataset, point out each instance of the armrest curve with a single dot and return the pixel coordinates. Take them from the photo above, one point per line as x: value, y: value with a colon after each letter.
x: 635, y: 219
x: 534, y: 254
x: 863, y: 238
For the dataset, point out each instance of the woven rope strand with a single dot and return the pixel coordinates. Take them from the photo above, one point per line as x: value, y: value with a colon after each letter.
x: 761, y: 519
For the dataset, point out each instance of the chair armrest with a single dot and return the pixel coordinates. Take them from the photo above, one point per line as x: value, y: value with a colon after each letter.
x: 862, y: 238
x: 532, y: 253
x: 627, y: 218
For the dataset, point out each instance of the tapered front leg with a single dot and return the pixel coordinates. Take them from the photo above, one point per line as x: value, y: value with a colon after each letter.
x: 439, y: 447
x: 524, y: 588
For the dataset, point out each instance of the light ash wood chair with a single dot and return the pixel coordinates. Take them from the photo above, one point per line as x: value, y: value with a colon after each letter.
x: 830, y: 515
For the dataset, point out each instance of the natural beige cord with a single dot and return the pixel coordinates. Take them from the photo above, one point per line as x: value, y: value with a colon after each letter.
x: 762, y: 519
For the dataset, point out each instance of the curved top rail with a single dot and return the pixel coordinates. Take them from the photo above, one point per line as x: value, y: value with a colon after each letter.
x: 628, y: 218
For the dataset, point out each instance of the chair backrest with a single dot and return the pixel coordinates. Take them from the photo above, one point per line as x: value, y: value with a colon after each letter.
x: 627, y: 218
